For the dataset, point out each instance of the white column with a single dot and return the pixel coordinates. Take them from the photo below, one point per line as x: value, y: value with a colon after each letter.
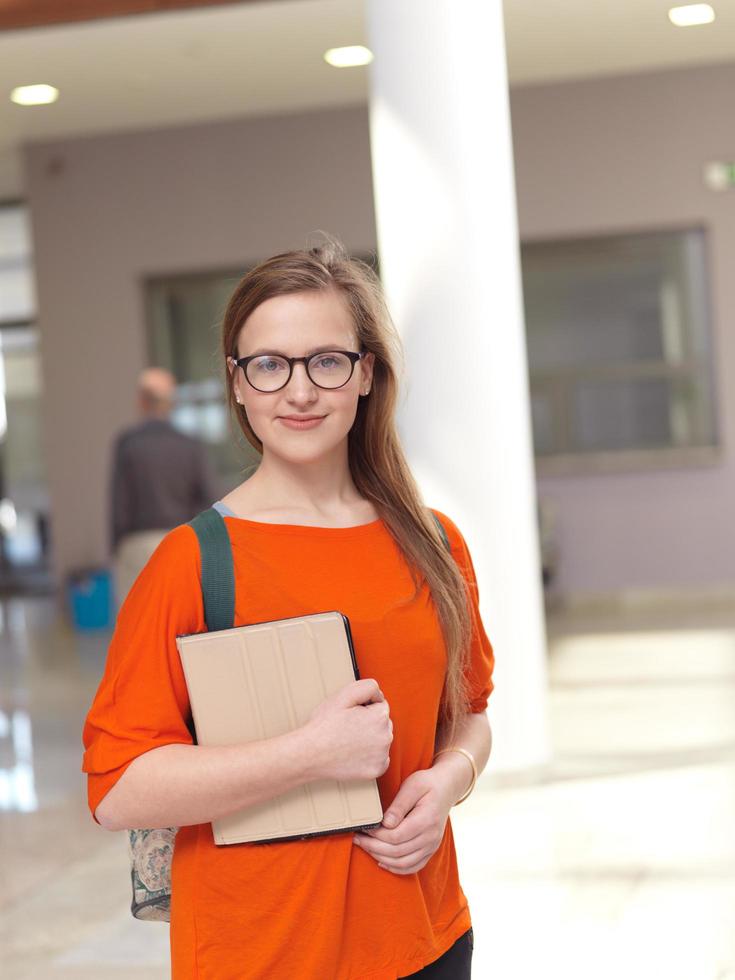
x: 448, y: 247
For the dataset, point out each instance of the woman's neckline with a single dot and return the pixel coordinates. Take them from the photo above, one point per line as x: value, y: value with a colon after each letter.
x: 227, y: 512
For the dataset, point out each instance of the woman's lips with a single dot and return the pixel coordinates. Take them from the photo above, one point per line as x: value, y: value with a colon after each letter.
x: 301, y: 423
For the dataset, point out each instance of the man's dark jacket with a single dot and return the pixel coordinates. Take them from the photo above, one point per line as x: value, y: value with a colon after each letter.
x: 160, y: 478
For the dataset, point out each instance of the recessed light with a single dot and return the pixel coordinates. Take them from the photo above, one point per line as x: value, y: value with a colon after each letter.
x: 348, y: 57
x: 692, y: 14
x: 34, y: 95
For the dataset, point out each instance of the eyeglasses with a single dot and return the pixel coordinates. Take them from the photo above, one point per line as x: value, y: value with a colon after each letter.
x: 271, y: 372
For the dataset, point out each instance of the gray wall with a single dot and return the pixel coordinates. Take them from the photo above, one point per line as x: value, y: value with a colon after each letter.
x: 109, y: 211
x: 591, y: 157
x: 628, y: 154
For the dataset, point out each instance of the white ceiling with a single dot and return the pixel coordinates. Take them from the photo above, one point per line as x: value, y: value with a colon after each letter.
x: 257, y: 58
x: 553, y: 40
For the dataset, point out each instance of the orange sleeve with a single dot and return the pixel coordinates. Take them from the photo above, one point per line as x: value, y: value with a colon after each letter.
x: 482, y: 658
x: 142, y: 701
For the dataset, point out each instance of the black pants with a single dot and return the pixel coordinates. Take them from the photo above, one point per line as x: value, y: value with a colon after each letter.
x: 455, y: 964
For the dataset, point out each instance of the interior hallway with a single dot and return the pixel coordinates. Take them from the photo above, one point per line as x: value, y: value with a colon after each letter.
x: 618, y: 861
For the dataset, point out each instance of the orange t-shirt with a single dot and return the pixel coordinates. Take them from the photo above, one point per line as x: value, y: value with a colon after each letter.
x: 316, y: 909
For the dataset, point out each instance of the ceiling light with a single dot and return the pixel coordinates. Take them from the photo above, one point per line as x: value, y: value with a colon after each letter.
x: 692, y: 14
x: 34, y: 95
x: 348, y: 57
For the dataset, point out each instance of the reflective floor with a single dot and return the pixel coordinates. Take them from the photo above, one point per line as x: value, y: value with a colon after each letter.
x: 618, y: 861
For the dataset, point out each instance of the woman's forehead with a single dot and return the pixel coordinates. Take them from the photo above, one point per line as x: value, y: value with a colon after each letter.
x: 308, y: 320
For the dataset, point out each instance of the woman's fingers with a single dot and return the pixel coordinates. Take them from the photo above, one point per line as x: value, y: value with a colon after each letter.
x: 408, y: 864
x: 385, y: 850
x: 399, y: 857
x: 406, y: 831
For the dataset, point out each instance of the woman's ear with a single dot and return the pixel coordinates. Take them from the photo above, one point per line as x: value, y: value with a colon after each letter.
x: 232, y: 367
x: 367, y: 364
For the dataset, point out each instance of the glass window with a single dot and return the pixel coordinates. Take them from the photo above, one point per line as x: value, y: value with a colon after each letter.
x: 184, y: 322
x: 17, y: 291
x: 619, y: 344
x: 23, y: 486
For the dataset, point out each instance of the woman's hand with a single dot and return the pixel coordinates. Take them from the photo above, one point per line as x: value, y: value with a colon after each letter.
x: 351, y: 733
x: 421, y: 807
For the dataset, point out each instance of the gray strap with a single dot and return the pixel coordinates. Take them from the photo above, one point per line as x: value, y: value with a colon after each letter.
x: 218, y: 576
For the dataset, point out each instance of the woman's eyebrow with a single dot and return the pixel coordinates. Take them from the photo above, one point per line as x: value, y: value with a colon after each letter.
x: 316, y: 350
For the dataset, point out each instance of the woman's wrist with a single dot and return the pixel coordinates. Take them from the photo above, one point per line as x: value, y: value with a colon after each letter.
x: 459, y: 773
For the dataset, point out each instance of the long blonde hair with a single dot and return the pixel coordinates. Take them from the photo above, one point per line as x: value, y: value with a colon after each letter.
x: 377, y: 462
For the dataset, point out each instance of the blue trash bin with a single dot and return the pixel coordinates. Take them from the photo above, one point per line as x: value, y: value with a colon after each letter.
x: 89, y: 592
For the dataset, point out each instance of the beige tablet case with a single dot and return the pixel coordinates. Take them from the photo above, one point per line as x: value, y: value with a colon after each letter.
x: 255, y: 682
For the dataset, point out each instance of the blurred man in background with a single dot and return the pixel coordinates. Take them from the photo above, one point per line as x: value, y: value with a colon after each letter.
x: 160, y: 478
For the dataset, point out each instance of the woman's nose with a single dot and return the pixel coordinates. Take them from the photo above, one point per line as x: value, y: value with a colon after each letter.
x: 300, y: 383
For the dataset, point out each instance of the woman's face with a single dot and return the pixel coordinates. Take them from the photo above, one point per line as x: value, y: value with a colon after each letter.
x: 297, y: 325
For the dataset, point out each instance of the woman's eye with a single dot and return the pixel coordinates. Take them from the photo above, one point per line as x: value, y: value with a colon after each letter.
x: 268, y: 365
x: 326, y: 362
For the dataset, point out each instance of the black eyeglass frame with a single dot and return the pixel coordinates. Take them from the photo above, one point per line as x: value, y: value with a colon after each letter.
x: 353, y: 355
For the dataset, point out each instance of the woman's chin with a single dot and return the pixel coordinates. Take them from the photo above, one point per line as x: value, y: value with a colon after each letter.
x: 304, y: 452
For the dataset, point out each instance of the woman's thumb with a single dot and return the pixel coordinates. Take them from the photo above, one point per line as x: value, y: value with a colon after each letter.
x: 391, y: 819
x: 403, y: 802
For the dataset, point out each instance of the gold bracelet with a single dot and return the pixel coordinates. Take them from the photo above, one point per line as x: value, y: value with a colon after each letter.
x: 467, y: 755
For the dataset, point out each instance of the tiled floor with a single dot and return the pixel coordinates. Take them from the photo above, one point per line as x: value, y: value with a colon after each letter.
x: 617, y: 862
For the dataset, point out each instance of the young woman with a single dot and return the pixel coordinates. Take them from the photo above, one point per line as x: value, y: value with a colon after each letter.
x: 331, y: 519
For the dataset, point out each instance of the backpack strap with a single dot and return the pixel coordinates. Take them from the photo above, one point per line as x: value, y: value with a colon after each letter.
x: 218, y: 576
x: 442, y: 531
